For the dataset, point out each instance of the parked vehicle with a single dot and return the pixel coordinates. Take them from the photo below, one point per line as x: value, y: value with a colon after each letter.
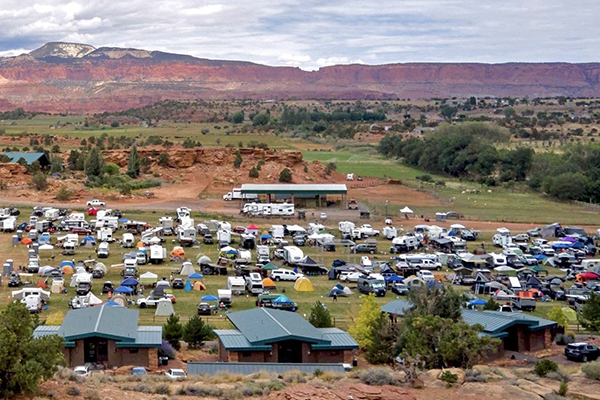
x: 175, y: 374
x: 583, y: 352
x: 254, y: 284
x: 225, y: 297
x: 363, y: 248
x: 208, y: 239
x: 400, y: 289
x: 82, y: 370
x: 139, y: 371
x: 14, y: 280
x: 284, y: 275
x: 368, y: 284
x: 96, y: 203
x: 428, y: 264
x: 236, y: 194
x: 178, y: 283
x: 236, y: 284
x: 350, y: 276
x: 204, y: 309
x: 425, y: 275
x: 103, y: 250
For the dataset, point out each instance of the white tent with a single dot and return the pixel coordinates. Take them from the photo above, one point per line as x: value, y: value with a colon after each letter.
x: 20, y: 294
x: 406, y: 210
x: 46, y: 247
x: 44, y: 270
x: 457, y: 226
x: 120, y: 300
x: 347, y: 291
x: 94, y: 300
x: 187, y: 269
x: 295, y: 228
x: 148, y: 278
x: 57, y: 287
x: 504, y: 268
x: 164, y: 308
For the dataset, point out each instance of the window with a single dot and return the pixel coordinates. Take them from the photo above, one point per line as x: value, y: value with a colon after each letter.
x: 133, y: 351
x: 246, y: 354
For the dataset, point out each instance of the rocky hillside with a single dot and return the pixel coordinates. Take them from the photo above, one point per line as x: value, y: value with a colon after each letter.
x: 78, y: 78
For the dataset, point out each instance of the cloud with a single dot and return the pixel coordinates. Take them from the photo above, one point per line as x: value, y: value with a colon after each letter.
x: 311, y: 33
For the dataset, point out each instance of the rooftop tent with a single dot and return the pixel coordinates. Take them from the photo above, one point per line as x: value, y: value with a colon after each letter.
x: 178, y: 252
x: 203, y: 260
x: 187, y: 269
x: 130, y: 282
x: 477, y: 302
x: 148, y: 278
x: 303, y: 285
x: 504, y: 268
x: 196, y: 276
x: 282, y: 300
x: 336, y: 292
x: 268, y: 267
x: 164, y: 308
x: 124, y: 290
x: 46, y: 247
x: 67, y: 263
x: 394, y: 278
x: 386, y: 269
x: 188, y: 285
x: 209, y: 297
x: 198, y: 286
x: 269, y: 284
x: 26, y: 240
x: 406, y: 210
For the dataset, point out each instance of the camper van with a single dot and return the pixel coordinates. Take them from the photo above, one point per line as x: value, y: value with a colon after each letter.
x: 277, y: 232
x: 103, y: 250
x: 254, y: 284
x: 68, y: 248
x: 183, y: 212
x: 186, y: 235
x: 224, y: 238
x: 236, y: 284
x: 236, y: 194
x: 128, y: 241
x: 157, y: 254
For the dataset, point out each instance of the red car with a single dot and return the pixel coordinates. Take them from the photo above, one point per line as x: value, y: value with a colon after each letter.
x: 92, y: 211
x: 239, y: 229
x: 80, y: 231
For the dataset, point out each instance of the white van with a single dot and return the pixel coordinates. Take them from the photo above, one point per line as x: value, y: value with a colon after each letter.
x: 103, y: 250
x: 128, y: 240
x: 236, y: 284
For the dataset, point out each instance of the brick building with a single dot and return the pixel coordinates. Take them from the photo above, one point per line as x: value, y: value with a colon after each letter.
x: 106, y: 335
x: 265, y: 335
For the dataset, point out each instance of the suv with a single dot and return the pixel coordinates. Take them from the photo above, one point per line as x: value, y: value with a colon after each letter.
x: 368, y: 284
x: 284, y: 275
x: 583, y: 352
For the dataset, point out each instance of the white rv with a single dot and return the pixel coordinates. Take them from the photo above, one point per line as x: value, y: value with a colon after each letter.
x: 346, y: 226
x: 254, y: 284
x: 236, y: 284
x: 157, y: 254
x: 292, y: 255
x: 502, y: 237
x: 224, y: 238
x: 105, y: 235
x: 390, y: 232
x: 277, y: 232
x: 103, y: 250
x: 183, y: 212
x: 128, y: 240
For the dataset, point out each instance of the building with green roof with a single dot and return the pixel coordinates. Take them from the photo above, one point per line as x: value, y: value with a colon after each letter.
x: 29, y: 158
x: 273, y: 336
x: 106, y: 335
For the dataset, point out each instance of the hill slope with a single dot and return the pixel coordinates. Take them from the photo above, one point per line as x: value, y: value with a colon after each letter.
x: 61, y: 77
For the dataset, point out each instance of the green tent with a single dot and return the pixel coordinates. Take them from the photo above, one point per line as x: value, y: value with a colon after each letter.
x: 570, y: 314
x: 269, y: 267
x: 538, y: 269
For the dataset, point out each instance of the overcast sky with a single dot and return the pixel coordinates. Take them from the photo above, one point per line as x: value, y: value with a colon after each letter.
x: 314, y: 33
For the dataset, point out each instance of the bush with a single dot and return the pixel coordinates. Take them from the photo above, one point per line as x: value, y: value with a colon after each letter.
x: 39, y: 181
x: 285, y: 176
x: 449, y: 377
x: 542, y: 367
x: 142, y: 388
x: 125, y: 190
x: 318, y: 373
x: 92, y: 394
x: 163, y: 159
x: 378, y: 377
x: 253, y: 172
x: 563, y: 389
x: 64, y: 194
x: 475, y: 376
x: 591, y: 370
x: 424, y: 178
x: 74, y: 391
x: 563, y: 340
x: 162, y: 388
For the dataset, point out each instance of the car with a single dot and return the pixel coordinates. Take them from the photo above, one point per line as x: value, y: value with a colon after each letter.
x: 139, y: 371
x: 208, y: 239
x: 80, y: 231
x: 175, y: 374
x: 239, y: 229
x: 299, y: 240
x: 583, y: 352
x: 178, y: 283
x: 468, y: 235
x: 347, y: 243
x: 425, y: 275
x: 400, y: 289
x: 349, y: 276
x: 529, y: 260
x: 534, y: 232
x: 14, y: 280
x: 521, y: 237
x: 82, y: 370
x: 323, y: 216
x: 96, y: 203
x: 204, y: 309
x: 284, y: 275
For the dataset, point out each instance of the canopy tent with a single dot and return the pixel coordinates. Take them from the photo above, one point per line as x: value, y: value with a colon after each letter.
x: 187, y: 269
x: 282, y: 300
x: 266, y: 237
x: 406, y: 210
x: 268, y: 267
x: 198, y: 286
x: 148, y: 278
x: 164, y: 308
x: 269, y: 284
x: 130, y: 282
x: 394, y: 278
x: 124, y: 290
x: 252, y: 229
x: 303, y: 284
x: 478, y: 302
x: 196, y: 276
x: 94, y: 300
x: 209, y: 297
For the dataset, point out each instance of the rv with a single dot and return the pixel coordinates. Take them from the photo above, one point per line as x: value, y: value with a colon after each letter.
x: 68, y: 248
x: 141, y: 256
x: 346, y: 226
x: 277, y: 232
x: 225, y: 297
x: 157, y: 254
x: 263, y: 255
x: 105, y: 235
x: 107, y: 222
x: 224, y: 238
x: 128, y: 241
x: 9, y: 224
x: 167, y: 224
x: 103, y: 250
x: 268, y: 210
x: 183, y: 212
x: 254, y: 284
x: 236, y: 194
x: 236, y: 284
x: 404, y: 244
x: 390, y: 232
x: 292, y: 255
x: 43, y: 226
x: 186, y: 235
x: 502, y: 237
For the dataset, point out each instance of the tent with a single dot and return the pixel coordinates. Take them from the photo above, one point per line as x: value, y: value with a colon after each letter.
x: 478, y: 302
x: 347, y: 291
x: 336, y: 292
x: 268, y: 267
x: 584, y: 276
x: 188, y: 286
x: 406, y: 210
x: 26, y: 241
x: 46, y: 247
x: 203, y: 260
x: 504, y: 268
x: 124, y: 290
x: 187, y: 269
x: 164, y: 308
x: 148, y: 278
x: 209, y: 297
x: 66, y: 270
x: 120, y: 300
x: 196, y: 276
x: 198, y: 286
x: 178, y: 252
x: 57, y: 287
x: 112, y: 304
x: 45, y: 270
x: 252, y: 229
x: 67, y: 263
x: 44, y: 239
x: 394, y: 278
x: 130, y: 282
x: 282, y: 300
x: 269, y: 284
x: 94, y: 300
x: 570, y: 314
x: 414, y: 283
x: 304, y: 285
x: 89, y: 241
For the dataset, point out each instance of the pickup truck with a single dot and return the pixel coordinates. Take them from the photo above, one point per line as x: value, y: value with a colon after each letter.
x: 150, y: 301
x: 367, y: 230
x: 523, y: 304
x: 428, y: 264
x: 363, y: 248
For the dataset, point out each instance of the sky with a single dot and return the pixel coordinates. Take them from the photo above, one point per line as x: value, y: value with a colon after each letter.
x: 314, y: 33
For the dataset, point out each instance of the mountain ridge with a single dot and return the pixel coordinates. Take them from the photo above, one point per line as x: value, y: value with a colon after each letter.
x: 79, y: 78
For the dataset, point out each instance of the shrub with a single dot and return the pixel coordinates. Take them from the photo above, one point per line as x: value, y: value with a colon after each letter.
x: 294, y: 377
x: 92, y: 394
x: 64, y: 194
x: 163, y: 159
x: 542, y: 367
x: 563, y: 339
x: 591, y: 370
x: 563, y: 389
x: 285, y: 176
x: 475, y: 376
x: 238, y: 160
x: 213, y: 350
x: 74, y: 391
x: 318, y: 372
x: 424, y: 178
x: 378, y: 377
x: 162, y: 388
x: 449, y: 377
x: 253, y: 172
x: 39, y: 181
x: 125, y: 190
x: 142, y: 388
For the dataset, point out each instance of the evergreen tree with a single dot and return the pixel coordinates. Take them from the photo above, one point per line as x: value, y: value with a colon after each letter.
x: 285, y: 176
x: 173, y: 331
x: 385, y: 334
x: 253, y: 173
x: 590, y: 313
x: 238, y: 160
x: 94, y: 163
x: 320, y: 316
x: 133, y: 166
x: 366, y: 321
x: 491, y: 305
x: 196, y: 331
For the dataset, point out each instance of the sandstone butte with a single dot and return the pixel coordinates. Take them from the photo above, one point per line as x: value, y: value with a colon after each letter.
x: 56, y: 78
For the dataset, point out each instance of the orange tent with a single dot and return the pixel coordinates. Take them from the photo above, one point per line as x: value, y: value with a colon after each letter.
x: 140, y: 244
x: 178, y: 252
x: 42, y: 285
x: 269, y: 284
x: 198, y: 286
x: 26, y: 241
x: 67, y: 270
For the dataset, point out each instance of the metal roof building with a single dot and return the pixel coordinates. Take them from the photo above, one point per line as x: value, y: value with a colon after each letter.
x: 397, y: 307
x: 30, y: 158
x: 213, y: 368
x: 294, y: 189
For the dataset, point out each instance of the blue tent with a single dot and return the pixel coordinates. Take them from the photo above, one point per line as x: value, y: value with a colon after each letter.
x: 282, y: 300
x: 209, y: 297
x: 335, y: 291
x: 112, y: 304
x: 232, y: 251
x: 130, y: 282
x: 196, y: 275
x: 67, y: 263
x: 561, y: 246
x: 478, y: 302
x: 124, y: 290
x: 123, y: 220
x: 394, y: 278
x: 540, y: 257
x: 266, y: 237
x: 88, y: 239
x: 338, y: 286
x: 44, y: 239
x: 188, y: 286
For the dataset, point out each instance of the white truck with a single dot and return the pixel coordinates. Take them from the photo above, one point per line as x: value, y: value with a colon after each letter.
x: 236, y: 194
x: 236, y: 284
x: 103, y: 250
x: 254, y: 284
x: 367, y: 230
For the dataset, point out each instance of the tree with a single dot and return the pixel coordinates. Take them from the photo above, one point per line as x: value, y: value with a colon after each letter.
x: 73, y: 158
x: 238, y: 117
x: 39, y: 182
x: 285, y: 176
x: 253, y: 172
x: 133, y: 166
x: 557, y: 315
x: 34, y: 167
x: 445, y: 303
x: 590, y: 313
x: 330, y: 168
x: 115, y: 124
x: 56, y: 148
x: 56, y: 165
x: 491, y: 305
x: 366, y: 321
x: 196, y: 332
x: 238, y: 160
x: 173, y: 331
x: 320, y: 316
x: 448, y: 112
x: 111, y: 169
x: 509, y: 112
x: 23, y: 359
x: 94, y: 163
x: 261, y: 119
x: 385, y: 334
x: 163, y: 159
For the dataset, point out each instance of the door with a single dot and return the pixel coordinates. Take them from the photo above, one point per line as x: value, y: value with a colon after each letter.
x: 289, y: 351
x: 91, y: 351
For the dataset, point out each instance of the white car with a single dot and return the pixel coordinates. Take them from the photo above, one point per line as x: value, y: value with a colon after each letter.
x: 425, y: 275
x: 284, y: 275
x: 347, y: 276
x: 175, y: 374
x: 81, y: 370
x: 96, y: 203
x: 323, y: 216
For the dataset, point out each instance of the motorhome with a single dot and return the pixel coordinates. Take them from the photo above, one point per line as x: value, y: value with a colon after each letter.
x: 236, y: 284
x: 236, y: 194
x: 346, y: 226
x: 390, y: 232
x: 263, y: 255
x: 590, y: 264
x: 68, y: 248
x: 277, y: 232
x: 254, y: 284
x: 167, y: 224
x: 157, y: 254
x: 502, y: 237
x: 183, y: 212
x: 128, y: 241
x: 103, y: 250
x: 224, y: 238
x: 33, y: 298
x: 105, y: 235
